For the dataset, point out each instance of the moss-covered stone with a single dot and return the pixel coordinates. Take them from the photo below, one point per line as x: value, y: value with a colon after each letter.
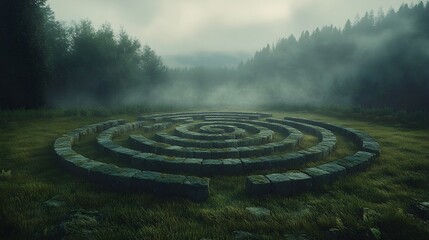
x: 258, y: 185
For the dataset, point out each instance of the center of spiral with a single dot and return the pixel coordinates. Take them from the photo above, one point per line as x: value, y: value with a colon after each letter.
x: 217, y: 129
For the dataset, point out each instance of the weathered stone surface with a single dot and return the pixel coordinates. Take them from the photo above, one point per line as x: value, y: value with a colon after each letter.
x: 80, y: 224
x: 422, y: 210
x: 242, y: 235
x: 75, y: 161
x: 351, y: 164
x: 320, y: 177
x: 357, y: 162
x: 193, y: 165
x: 300, y: 182
x: 123, y: 178
x: 335, y: 170
x: 169, y: 184
x: 259, y: 212
x: 245, y: 152
x: 211, y: 167
x: 101, y: 173
x: 290, y: 236
x: 290, y: 160
x: 258, y: 185
x: 282, y: 184
x: 232, y: 166
x: 55, y: 202
x: 5, y: 175
x: 266, y: 161
x: 86, y: 168
x: 251, y: 164
x: 370, y: 215
x: 217, y: 147
x: 124, y: 153
x: 145, y: 180
x: 156, y: 162
x: 196, y: 188
x: 140, y: 160
x: 371, y: 146
x: 366, y: 142
x: 173, y: 164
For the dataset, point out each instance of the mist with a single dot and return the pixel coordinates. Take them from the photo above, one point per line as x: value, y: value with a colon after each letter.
x: 378, y: 60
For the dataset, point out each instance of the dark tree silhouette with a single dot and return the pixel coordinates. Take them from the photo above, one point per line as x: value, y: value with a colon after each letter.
x: 23, y: 70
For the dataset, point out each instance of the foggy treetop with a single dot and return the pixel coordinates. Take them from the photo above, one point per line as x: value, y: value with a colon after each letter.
x: 378, y: 60
x: 215, y: 32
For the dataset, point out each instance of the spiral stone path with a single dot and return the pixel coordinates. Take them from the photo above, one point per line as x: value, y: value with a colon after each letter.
x: 174, y: 154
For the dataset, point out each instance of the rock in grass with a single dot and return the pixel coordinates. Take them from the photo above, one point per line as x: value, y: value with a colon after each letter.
x: 333, y: 233
x: 5, y: 174
x: 259, y: 211
x: 375, y: 233
x: 242, y: 235
x: 422, y: 210
x: 55, y: 202
x: 80, y: 224
x: 369, y: 215
x: 296, y: 236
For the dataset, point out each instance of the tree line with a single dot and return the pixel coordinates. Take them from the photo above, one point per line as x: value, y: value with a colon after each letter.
x: 378, y: 60
x: 45, y: 61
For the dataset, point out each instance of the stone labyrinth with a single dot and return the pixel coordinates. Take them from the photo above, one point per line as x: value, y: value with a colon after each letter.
x: 175, y: 154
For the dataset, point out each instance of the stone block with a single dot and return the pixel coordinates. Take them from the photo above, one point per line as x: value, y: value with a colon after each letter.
x: 85, y: 168
x: 266, y: 161
x: 169, y: 184
x: 289, y: 160
x: 282, y: 184
x: 319, y: 177
x: 195, y: 188
x: 145, y: 180
x: 122, y: 179
x: 232, y: 166
x: 101, y: 173
x: 211, y: 167
x: 258, y: 185
x: 245, y: 152
x: 172, y: 151
x: 156, y: 162
x: 357, y: 162
x: 140, y: 160
x: 365, y: 156
x: 371, y: 146
x: 202, y: 154
x: 251, y: 164
x: 350, y: 164
x: 193, y: 166
x: 300, y: 182
x: 125, y: 154
x: 335, y: 170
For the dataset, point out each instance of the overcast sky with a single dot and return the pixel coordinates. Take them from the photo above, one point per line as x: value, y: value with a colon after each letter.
x: 206, y: 32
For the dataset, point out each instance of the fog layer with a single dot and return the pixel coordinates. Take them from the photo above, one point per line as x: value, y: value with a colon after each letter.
x: 378, y: 60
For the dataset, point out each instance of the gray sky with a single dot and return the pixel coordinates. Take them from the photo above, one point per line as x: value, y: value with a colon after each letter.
x: 207, y: 32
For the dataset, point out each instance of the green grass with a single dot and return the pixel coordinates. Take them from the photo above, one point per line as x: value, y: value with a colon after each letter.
x: 397, y: 179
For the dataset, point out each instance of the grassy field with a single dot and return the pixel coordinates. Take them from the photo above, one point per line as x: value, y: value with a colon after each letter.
x: 379, y: 198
